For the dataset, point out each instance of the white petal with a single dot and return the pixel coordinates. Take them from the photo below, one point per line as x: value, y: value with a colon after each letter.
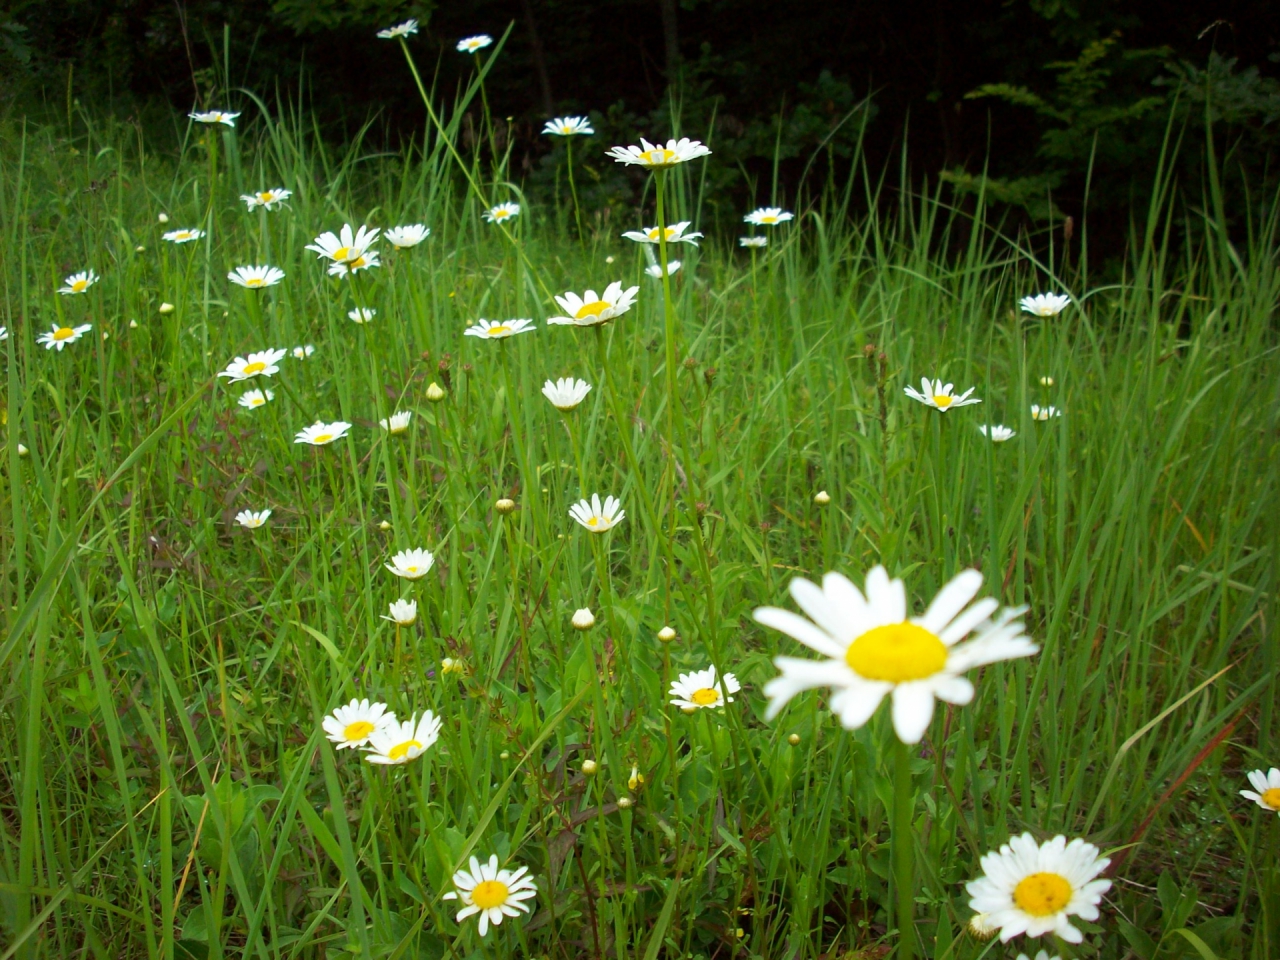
x: 912, y: 710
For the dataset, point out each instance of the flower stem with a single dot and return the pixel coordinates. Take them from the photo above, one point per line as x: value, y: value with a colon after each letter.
x: 903, y: 850
x: 573, y: 190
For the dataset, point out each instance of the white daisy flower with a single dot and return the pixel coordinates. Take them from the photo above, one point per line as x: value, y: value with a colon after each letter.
x: 398, y: 743
x: 252, y: 519
x: 183, y: 236
x: 566, y: 393
x: 321, y: 434
x: 78, y: 282
x: 215, y: 116
x: 1044, y: 413
x: 345, y: 246
x: 407, y: 236
x: 492, y: 893
x: 255, y: 278
x: 767, y: 216
x: 1040, y: 955
x: 699, y: 690
x: 596, y: 517
x: 403, y: 612
x: 352, y: 726
x: 568, y: 127
x: 1033, y: 888
x: 411, y: 564
x: 875, y: 650
x: 939, y: 396
x: 474, y: 44
x: 252, y: 399
x: 998, y: 433
x: 267, y: 199
x: 361, y: 314
x: 4, y: 334
x: 366, y: 261
x: 583, y: 619
x: 503, y: 211
x: 60, y: 336
x: 656, y: 157
x: 675, y: 234
x: 260, y: 364
x: 495, y: 330
x: 655, y: 270
x: 1267, y: 786
x: 397, y: 423
x: 1045, y: 304
x: 590, y: 310
x: 301, y: 353
x: 406, y: 29
x: 753, y: 242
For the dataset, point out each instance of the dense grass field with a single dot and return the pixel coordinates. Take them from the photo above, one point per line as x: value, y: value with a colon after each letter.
x: 166, y: 784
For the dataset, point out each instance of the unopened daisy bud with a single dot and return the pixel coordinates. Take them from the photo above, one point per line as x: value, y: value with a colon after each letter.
x: 166, y: 308
x: 583, y: 619
x: 1046, y: 381
x: 384, y: 525
x: 435, y: 393
x: 139, y: 249
x: 504, y: 755
x: 981, y: 927
x: 163, y: 218
x: 666, y: 634
x: 589, y: 768
x: 794, y: 739
x: 689, y: 708
x: 22, y: 450
x: 822, y: 498
x: 505, y: 506
x: 624, y: 803
x: 133, y: 324
x: 608, y: 259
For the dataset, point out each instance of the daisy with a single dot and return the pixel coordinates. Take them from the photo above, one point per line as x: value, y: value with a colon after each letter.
x: 998, y: 433
x: 566, y: 393
x: 397, y: 743
x: 183, y: 236
x: 655, y: 271
x: 344, y: 246
x: 321, y: 434
x: 366, y: 260
x: 403, y: 612
x: 255, y: 278
x: 4, y: 334
x: 78, y: 282
x: 568, y: 127
x: 215, y: 116
x: 1044, y: 413
x: 267, y: 199
x: 397, y: 423
x: 875, y: 650
x: 252, y: 399
x: 60, y: 336
x: 352, y: 725
x: 503, y: 211
x: 1033, y: 888
x: 1045, y: 304
x: 657, y: 157
x: 753, y: 241
x: 595, y: 517
x: 407, y: 236
x: 767, y: 216
x: 1267, y: 786
x: 406, y: 29
x: 411, y: 564
x: 590, y: 310
x: 675, y: 234
x: 474, y: 44
x: 695, y: 691
x: 252, y: 519
x: 492, y: 893
x: 362, y: 314
x: 493, y: 330
x: 260, y: 364
x: 939, y: 396
x: 301, y: 353
x: 1040, y: 955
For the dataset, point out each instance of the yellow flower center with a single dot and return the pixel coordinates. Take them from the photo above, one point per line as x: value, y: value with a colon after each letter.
x: 410, y: 569
x: 896, y: 653
x: 768, y: 218
x: 251, y: 368
x: 322, y: 438
x: 342, y: 253
x: 1272, y: 798
x: 359, y: 262
x: 659, y: 156
x: 942, y: 401
x: 357, y: 730
x: 265, y: 197
x: 400, y: 750
x: 254, y: 282
x: 1042, y: 894
x: 489, y: 894
x: 79, y: 285
x: 594, y: 521
x: 257, y: 401
x: 498, y: 331
x: 592, y: 309
x: 63, y: 333
x: 705, y: 697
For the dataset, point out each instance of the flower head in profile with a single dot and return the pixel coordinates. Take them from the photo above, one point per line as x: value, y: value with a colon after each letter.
x: 321, y: 434
x: 1266, y: 789
x: 474, y: 44
x: 411, y: 564
x: 591, y: 309
x: 267, y: 199
x: 264, y: 363
x: 701, y: 690
x: 397, y: 743
x: 409, y: 235
x: 502, y: 212
x: 403, y: 612
x: 406, y: 29
x: 767, y: 216
x: 397, y: 423
x: 361, y: 314
x: 1030, y: 888
x: 566, y: 393
x: 598, y: 517
x: 252, y: 519
x: 875, y: 650
x: 753, y: 242
x: 255, y: 278
x: 568, y: 127
x: 304, y: 351
x: 366, y: 261
x: 492, y: 893
x: 183, y: 236
x: 59, y: 337
x: 352, y: 726
x: 655, y: 270
x: 997, y: 433
x: 1044, y: 413
x: 656, y: 157
x: 1045, y: 304
x: 674, y: 234
x: 345, y: 246
x: 215, y: 116
x: 252, y: 399
x: 78, y: 282
x: 938, y: 395
x: 499, y: 329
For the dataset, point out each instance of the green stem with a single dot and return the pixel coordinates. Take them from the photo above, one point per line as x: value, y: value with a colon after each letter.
x: 903, y: 849
x: 573, y: 190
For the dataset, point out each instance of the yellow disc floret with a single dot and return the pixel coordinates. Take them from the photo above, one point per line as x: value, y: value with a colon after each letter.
x: 896, y: 653
x: 705, y: 697
x: 400, y: 750
x: 358, y: 730
x: 1042, y: 894
x: 489, y: 894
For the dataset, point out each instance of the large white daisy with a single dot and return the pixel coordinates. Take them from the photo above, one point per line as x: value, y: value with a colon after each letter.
x: 474, y: 44
x: 768, y: 216
x: 568, y: 127
x: 321, y: 434
x: 409, y: 235
x: 502, y: 212
x: 255, y: 278
x: 59, y: 337
x: 352, y: 726
x: 498, y: 330
x: 78, y: 282
x: 656, y: 157
x: 398, y: 743
x: 596, y: 516
x: 590, y: 309
x: 700, y: 690
x: 346, y: 246
x: 406, y: 29
x: 492, y: 893
x: 566, y: 393
x: 938, y: 395
x: 411, y: 564
x: 267, y: 199
x: 260, y: 364
x: 674, y: 234
x: 1267, y: 786
x: 1045, y: 304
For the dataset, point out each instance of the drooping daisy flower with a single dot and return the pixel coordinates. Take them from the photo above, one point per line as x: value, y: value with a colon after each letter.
x: 655, y: 271
x: 596, y: 517
x: 498, y: 330
x: 252, y: 519
x: 1033, y: 888
x: 980, y: 926
x: 767, y: 216
x: 397, y: 423
x: 407, y: 236
x: 474, y: 44
x: 939, y: 396
x: 361, y: 314
x: 675, y: 234
x: 998, y: 433
x: 301, y: 353
x: 183, y: 236
x: 366, y: 261
x: 492, y: 893
x: 59, y: 337
x: 345, y: 246
x: 590, y: 310
x: 1045, y: 304
x: 321, y: 434
x: 875, y: 650
x: 78, y: 282
x: 255, y: 278
x: 252, y: 399
x: 260, y: 364
x: 656, y: 157
x: 699, y: 690
x: 756, y: 242
x: 503, y: 211
x: 568, y: 127
x: 215, y: 116
x: 398, y: 743
x: 1044, y: 413
x: 1267, y: 786
x: 406, y: 29
x: 411, y: 564
x: 403, y: 612
x: 352, y: 726
x: 267, y: 199
x: 566, y: 393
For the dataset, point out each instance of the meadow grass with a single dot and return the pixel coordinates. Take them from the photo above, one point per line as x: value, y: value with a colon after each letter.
x: 165, y: 784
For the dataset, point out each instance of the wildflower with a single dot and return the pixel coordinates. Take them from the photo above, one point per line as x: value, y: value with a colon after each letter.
x: 875, y: 650
x: 568, y: 127
x: 822, y: 498
x: 589, y: 768
x: 674, y: 234
x: 260, y: 364
x: 397, y: 743
x: 78, y: 282
x: 252, y: 519
x: 362, y: 314
x: 981, y: 927
x: 22, y: 450
x: 321, y: 434
x: 767, y: 216
x: 435, y: 392
x: 655, y: 271
x: 397, y: 423
x: 753, y: 241
x: 301, y: 353
x: 451, y: 665
x: 1267, y: 786
x: 407, y: 236
x: 1040, y: 955
x: 403, y: 612
x: 133, y: 325
x: 406, y: 29
x: 583, y: 619
x: 267, y: 199
x: 939, y: 396
x: 166, y: 308
x: 699, y: 690
x: 366, y: 261
x: 1033, y: 888
x: 1046, y: 381
x: 60, y: 336
x: 656, y: 157
x: 998, y: 433
x: 344, y: 246
x: 794, y: 739
x: 666, y: 634
x: 215, y: 116
x: 474, y: 44
x: 503, y: 211
x: 493, y: 330
x: 352, y: 725
x: 411, y: 564
x: 566, y: 393
x: 255, y: 278
x: 595, y: 517
x: 590, y: 309
x: 492, y: 893
x: 636, y: 780
x: 163, y: 217
x: 183, y: 236
x: 252, y: 399
x: 1044, y: 413
x: 1045, y: 304
x: 505, y: 506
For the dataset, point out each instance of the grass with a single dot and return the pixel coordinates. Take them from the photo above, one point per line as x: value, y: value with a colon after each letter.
x: 165, y: 787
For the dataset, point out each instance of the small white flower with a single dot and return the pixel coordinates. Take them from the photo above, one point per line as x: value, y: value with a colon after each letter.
x: 474, y: 44
x: 767, y: 216
x: 1267, y: 787
x: 215, y: 116
x: 1045, y: 304
x: 998, y: 433
x: 566, y: 393
x: 657, y: 157
x: 397, y: 423
x: 59, y: 337
x: 183, y: 236
x: 939, y: 396
x: 407, y: 236
x: 398, y: 743
x: 362, y: 314
x: 1044, y: 413
x: 255, y: 278
x: 675, y: 234
x: 598, y: 517
x: 301, y: 353
x: 345, y: 246
x: 366, y: 261
x: 163, y: 217
x: 267, y: 199
x: 321, y: 434
x: 167, y: 308
x: 411, y: 564
x: 406, y: 29
x: 252, y: 399
x: 590, y: 309
x: 403, y: 612
x: 264, y: 363
x: 78, y: 282
x: 655, y: 271
x: 352, y: 726
x: 753, y: 241
x: 700, y: 690
x: 252, y: 519
x: 502, y: 212
x: 498, y: 330
x: 568, y: 127
x: 583, y: 619
x: 491, y: 892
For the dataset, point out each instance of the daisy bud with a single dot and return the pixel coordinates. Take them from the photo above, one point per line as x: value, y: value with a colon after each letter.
x: 133, y: 324
x: 981, y: 927
x: 589, y: 768
x: 794, y: 739
x: 505, y: 506
x: 22, y: 450
x: 166, y: 308
x: 435, y: 393
x: 163, y: 218
x: 583, y: 619
x: 666, y: 634
x: 504, y: 755
x: 139, y: 249
x: 689, y: 709
x: 384, y: 525
x: 624, y: 802
x: 608, y: 259
x: 822, y: 498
